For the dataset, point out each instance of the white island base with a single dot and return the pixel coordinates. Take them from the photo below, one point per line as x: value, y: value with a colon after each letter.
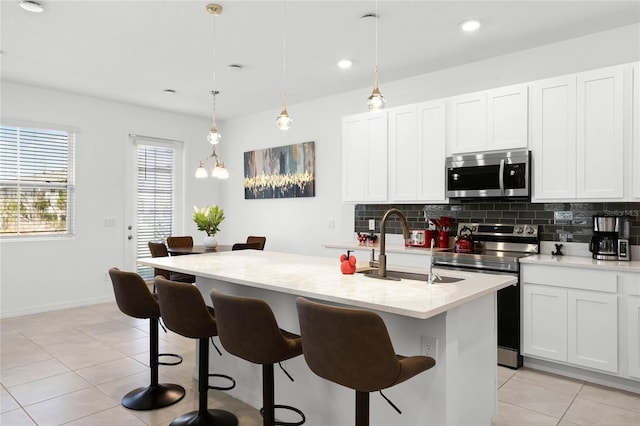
x: 459, y: 390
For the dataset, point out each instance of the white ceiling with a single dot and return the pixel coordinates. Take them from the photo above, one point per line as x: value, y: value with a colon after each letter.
x: 132, y: 50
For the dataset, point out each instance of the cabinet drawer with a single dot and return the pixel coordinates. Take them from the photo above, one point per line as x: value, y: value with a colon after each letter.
x: 583, y: 279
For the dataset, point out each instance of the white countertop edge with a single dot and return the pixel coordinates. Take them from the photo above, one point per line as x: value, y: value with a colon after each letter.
x: 177, y: 263
x: 582, y: 262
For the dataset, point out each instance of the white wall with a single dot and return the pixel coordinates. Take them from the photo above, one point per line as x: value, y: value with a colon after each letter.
x: 43, y: 275
x: 300, y: 225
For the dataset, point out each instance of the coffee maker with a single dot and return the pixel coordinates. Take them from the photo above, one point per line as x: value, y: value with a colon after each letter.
x: 610, y: 240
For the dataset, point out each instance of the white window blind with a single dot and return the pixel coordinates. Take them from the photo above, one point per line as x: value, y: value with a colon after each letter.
x: 155, y: 199
x: 37, y: 182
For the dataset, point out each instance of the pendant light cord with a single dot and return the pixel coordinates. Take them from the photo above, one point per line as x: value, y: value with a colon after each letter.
x: 284, y: 46
x: 377, y: 17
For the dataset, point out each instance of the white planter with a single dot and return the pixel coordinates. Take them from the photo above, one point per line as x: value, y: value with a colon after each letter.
x: 210, y: 242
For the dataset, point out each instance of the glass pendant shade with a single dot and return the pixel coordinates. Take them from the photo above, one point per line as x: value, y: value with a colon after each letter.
x: 376, y: 101
x: 284, y: 121
x: 214, y: 136
x: 220, y: 171
x: 201, y: 172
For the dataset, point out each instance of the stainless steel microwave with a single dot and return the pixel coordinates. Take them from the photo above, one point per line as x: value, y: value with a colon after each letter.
x: 496, y: 174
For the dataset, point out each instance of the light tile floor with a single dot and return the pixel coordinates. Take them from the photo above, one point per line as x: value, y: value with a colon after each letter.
x: 73, y: 366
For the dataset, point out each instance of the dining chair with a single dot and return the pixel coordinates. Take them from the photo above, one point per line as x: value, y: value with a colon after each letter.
x: 251, y: 239
x: 160, y: 250
x: 245, y: 246
x: 182, y: 241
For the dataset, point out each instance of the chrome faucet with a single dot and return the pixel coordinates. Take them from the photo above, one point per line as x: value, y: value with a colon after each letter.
x: 382, y: 257
x: 432, y: 276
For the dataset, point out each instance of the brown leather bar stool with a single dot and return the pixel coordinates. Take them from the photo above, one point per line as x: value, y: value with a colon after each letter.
x: 134, y: 299
x: 352, y: 347
x: 248, y: 329
x: 184, y: 311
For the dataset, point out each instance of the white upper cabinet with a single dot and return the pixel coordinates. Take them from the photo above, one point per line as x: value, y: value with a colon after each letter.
x: 364, y: 157
x: 577, y: 136
x: 600, y: 143
x: 553, y: 130
x: 490, y: 120
x: 468, y: 123
x: 507, y: 117
x: 417, y: 152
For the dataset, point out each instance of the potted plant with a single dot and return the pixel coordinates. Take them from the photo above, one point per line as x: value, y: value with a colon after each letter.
x: 208, y: 219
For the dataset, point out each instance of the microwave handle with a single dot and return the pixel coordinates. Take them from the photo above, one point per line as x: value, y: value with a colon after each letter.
x: 501, y: 179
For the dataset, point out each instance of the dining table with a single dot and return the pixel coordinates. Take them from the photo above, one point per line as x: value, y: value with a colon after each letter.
x: 178, y: 251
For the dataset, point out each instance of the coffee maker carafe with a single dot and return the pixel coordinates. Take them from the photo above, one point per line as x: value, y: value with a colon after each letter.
x: 604, y: 242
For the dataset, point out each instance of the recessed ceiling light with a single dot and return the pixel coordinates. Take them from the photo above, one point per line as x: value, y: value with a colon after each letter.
x: 344, y: 64
x: 32, y: 6
x: 470, y: 26
x: 368, y: 17
x: 234, y: 67
x: 169, y: 91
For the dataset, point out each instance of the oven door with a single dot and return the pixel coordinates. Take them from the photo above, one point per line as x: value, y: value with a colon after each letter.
x: 508, y: 306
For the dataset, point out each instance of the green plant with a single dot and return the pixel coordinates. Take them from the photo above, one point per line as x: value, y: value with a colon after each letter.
x: 208, y: 219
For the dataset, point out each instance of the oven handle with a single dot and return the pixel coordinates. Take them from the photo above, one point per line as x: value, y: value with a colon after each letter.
x: 501, y: 180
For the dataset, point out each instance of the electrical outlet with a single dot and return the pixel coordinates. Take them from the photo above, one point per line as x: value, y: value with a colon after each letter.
x: 331, y: 223
x: 429, y: 346
x: 106, y: 276
x: 372, y: 224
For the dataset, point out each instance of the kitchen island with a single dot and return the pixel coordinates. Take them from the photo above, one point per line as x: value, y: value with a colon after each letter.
x: 456, y: 321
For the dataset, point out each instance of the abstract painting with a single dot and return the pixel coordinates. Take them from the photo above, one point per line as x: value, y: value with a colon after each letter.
x: 281, y: 172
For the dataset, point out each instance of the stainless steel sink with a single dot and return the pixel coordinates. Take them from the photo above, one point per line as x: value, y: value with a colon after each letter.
x: 398, y: 275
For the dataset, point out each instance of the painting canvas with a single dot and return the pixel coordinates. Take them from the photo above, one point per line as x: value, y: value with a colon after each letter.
x: 281, y: 172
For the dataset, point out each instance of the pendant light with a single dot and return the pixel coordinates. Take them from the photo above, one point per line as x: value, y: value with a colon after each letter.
x: 214, y: 136
x: 283, y: 120
x: 376, y: 101
x: 218, y: 170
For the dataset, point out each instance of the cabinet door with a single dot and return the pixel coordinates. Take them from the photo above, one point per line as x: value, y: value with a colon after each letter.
x: 633, y: 335
x: 635, y: 141
x: 404, y: 154
x: 364, y: 157
x: 553, y: 133
x: 544, y: 322
x: 432, y: 151
x: 468, y: 123
x: 354, y: 158
x: 507, y: 117
x: 599, y: 133
x: 593, y: 330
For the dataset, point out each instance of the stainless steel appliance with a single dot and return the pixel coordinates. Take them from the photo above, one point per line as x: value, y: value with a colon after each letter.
x: 610, y: 240
x: 490, y: 174
x: 497, y: 249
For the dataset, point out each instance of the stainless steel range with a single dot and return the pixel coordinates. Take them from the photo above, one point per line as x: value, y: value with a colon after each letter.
x: 497, y: 249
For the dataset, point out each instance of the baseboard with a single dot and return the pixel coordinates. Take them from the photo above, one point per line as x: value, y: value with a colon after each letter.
x: 56, y: 307
x: 584, y: 375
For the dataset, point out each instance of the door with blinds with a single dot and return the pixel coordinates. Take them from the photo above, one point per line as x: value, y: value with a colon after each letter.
x: 156, y: 206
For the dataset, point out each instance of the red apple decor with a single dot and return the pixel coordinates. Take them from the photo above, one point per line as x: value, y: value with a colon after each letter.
x: 347, y: 263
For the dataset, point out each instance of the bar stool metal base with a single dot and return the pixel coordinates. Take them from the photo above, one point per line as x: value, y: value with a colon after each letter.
x: 206, y: 418
x: 302, y: 420
x: 153, y: 396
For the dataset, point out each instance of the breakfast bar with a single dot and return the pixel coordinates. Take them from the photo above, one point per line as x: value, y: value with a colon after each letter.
x: 455, y: 322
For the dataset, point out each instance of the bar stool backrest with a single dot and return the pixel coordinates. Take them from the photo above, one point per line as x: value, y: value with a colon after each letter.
x: 350, y: 347
x: 183, y: 309
x: 132, y: 295
x: 248, y: 329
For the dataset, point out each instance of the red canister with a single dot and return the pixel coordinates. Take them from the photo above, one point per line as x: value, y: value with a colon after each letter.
x: 443, y: 239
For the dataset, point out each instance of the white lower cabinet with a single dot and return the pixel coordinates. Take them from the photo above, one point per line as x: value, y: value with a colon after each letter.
x: 633, y: 335
x: 592, y: 330
x: 545, y: 317
x: 571, y: 315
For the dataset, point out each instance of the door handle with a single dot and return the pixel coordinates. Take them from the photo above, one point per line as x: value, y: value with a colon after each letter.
x: 130, y: 237
x: 501, y: 172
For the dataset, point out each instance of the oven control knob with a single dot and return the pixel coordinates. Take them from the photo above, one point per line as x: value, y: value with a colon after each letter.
x: 530, y: 230
x: 519, y: 230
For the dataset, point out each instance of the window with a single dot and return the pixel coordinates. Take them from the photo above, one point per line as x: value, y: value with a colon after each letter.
x: 36, y: 182
x: 155, y: 198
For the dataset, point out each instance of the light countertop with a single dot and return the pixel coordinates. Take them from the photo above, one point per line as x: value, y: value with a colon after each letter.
x: 320, y: 278
x: 582, y: 262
